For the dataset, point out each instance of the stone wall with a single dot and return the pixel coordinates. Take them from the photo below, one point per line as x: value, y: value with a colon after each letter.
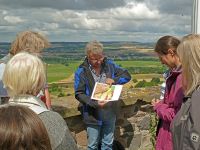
x: 132, y: 127
x: 133, y: 121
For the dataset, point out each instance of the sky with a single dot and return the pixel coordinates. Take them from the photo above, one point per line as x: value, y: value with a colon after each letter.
x: 103, y: 20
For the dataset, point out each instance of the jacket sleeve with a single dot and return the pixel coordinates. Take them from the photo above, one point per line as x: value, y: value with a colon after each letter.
x: 167, y: 112
x: 120, y: 76
x: 58, y: 131
x: 164, y: 112
x: 80, y: 89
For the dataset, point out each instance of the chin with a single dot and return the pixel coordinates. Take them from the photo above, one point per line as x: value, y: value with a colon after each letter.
x: 96, y: 66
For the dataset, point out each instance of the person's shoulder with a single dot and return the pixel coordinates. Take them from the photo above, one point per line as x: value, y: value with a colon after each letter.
x: 109, y: 61
x: 50, y: 114
x: 57, y: 129
x: 52, y: 117
x: 196, y: 93
x: 79, y: 70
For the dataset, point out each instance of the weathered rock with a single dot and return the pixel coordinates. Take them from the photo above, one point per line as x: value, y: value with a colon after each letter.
x: 135, y: 142
x: 144, y: 123
x: 81, y: 138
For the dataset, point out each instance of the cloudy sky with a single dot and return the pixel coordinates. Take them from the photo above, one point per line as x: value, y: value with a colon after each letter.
x: 104, y: 20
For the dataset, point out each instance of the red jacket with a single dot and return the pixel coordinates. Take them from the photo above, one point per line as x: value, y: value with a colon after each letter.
x: 167, y: 109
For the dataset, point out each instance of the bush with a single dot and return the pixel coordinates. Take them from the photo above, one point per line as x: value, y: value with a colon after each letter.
x: 153, y: 128
x: 135, y: 80
x: 155, y: 80
x: 53, y: 88
x: 66, y: 64
x: 141, y: 84
x: 131, y: 87
x: 146, y: 70
x: 61, y: 94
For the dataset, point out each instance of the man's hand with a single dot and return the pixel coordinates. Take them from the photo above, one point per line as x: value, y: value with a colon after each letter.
x: 102, y: 103
x: 154, y: 101
x: 109, y: 81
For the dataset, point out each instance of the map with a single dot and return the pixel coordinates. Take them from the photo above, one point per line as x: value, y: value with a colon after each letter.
x: 105, y: 92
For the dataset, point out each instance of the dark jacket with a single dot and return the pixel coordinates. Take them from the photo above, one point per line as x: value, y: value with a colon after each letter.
x: 84, y: 84
x: 186, y: 125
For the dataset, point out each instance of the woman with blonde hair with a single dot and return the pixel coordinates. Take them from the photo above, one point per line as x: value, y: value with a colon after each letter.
x: 21, y: 128
x: 33, y: 43
x: 24, y: 77
x: 186, y: 124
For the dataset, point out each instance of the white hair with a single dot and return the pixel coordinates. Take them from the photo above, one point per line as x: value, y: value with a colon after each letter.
x: 24, y: 74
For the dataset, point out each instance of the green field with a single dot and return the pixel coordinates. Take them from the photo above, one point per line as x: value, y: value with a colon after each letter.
x: 146, y: 76
x: 57, y: 72
x: 127, y: 64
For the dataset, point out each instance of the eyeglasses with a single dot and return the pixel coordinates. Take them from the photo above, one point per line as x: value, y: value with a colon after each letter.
x: 96, y: 59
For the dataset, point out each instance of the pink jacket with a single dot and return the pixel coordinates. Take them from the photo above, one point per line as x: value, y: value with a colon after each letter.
x: 167, y: 109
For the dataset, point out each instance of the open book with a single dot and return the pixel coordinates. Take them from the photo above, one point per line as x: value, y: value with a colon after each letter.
x: 106, y: 92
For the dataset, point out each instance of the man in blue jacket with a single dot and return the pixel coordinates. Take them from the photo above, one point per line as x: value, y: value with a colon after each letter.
x: 99, y: 116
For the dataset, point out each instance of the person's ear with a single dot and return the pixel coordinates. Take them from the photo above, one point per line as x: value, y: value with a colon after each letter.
x: 171, y: 51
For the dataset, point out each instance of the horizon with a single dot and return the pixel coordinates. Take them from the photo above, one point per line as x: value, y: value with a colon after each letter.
x: 88, y: 41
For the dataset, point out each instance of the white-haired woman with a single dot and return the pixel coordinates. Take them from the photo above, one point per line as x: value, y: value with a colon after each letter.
x: 186, y: 124
x: 24, y: 77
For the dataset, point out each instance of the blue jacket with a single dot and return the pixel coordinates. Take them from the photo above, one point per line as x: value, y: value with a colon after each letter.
x: 84, y: 84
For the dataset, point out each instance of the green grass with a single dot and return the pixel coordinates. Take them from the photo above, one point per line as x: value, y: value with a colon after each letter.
x: 139, y: 63
x: 56, y: 72
x: 146, y: 76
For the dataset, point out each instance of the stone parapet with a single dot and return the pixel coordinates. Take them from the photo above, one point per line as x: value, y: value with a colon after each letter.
x: 132, y: 126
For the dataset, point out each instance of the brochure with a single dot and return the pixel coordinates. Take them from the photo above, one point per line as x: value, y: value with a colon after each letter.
x: 105, y: 92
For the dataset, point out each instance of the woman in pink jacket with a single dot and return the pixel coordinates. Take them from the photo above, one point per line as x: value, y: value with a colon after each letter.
x: 167, y: 108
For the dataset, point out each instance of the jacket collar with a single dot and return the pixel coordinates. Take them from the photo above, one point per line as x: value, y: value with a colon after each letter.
x: 27, y: 100
x: 175, y: 72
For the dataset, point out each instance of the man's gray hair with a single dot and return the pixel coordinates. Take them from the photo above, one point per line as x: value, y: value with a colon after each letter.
x: 94, y: 47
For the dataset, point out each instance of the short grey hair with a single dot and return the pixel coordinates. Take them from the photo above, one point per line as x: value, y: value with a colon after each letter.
x: 94, y: 47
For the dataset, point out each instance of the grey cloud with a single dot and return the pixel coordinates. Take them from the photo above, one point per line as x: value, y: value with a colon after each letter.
x: 182, y: 7
x: 62, y: 23
x: 62, y: 4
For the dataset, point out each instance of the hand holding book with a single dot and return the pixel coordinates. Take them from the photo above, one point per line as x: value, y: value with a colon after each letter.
x: 105, y: 92
x: 109, y: 81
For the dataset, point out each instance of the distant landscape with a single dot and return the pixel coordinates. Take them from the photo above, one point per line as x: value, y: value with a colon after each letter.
x: 63, y: 58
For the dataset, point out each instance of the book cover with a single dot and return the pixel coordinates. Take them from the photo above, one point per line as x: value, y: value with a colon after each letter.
x: 105, y: 92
